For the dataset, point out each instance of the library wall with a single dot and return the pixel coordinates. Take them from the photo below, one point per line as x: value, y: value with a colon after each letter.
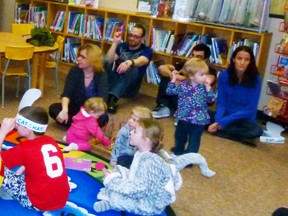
x: 130, y: 5
x: 6, y: 14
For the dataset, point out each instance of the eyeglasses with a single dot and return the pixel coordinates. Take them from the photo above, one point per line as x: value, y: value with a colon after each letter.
x: 134, y: 36
x: 81, y: 56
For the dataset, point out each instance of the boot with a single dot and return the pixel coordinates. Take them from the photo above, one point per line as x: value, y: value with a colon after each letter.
x: 112, y: 103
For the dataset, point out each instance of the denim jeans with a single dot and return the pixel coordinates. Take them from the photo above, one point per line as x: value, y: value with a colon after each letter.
x: 239, y: 130
x: 187, y: 131
x: 124, y: 85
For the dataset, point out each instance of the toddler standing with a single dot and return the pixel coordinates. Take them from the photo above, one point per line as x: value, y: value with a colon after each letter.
x: 85, y: 124
x: 194, y: 93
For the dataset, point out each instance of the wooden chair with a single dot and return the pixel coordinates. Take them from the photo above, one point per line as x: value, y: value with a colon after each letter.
x: 56, y: 57
x: 22, y: 28
x: 17, y: 53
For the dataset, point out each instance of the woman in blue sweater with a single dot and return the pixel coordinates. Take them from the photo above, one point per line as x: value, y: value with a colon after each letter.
x: 239, y: 89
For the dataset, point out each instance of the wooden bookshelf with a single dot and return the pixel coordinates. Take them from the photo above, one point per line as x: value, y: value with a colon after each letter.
x: 227, y: 33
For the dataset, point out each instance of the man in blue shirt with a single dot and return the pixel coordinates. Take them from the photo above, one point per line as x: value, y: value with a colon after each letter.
x: 130, y: 62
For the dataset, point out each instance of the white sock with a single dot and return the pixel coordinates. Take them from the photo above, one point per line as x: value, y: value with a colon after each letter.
x: 72, y: 146
x: 101, y: 206
x: 64, y: 138
x: 207, y: 172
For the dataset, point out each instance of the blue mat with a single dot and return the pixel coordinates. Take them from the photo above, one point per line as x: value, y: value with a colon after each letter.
x: 84, y: 189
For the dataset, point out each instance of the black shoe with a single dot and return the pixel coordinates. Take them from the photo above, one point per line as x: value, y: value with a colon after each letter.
x: 112, y: 104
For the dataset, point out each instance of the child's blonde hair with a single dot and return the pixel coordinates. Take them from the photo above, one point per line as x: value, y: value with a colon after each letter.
x: 142, y: 112
x: 194, y: 65
x: 95, y: 104
x: 153, y: 130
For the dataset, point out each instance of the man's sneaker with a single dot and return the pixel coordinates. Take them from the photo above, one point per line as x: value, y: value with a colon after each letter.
x: 161, y: 111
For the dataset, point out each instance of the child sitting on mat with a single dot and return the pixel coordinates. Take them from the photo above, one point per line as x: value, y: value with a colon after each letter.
x: 122, y: 153
x: 150, y: 183
x: 44, y: 186
x: 85, y: 124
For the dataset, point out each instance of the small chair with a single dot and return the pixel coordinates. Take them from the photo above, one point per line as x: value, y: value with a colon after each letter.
x: 56, y: 56
x: 17, y: 53
x: 22, y: 28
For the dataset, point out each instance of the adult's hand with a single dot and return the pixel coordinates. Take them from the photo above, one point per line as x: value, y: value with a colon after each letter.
x: 124, y: 66
x: 214, y: 127
x: 117, y: 38
x: 62, y: 116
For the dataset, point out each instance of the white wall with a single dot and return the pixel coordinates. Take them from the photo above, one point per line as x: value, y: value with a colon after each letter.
x: 272, y: 60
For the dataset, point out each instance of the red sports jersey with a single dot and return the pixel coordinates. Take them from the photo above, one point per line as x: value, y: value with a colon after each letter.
x: 45, y: 175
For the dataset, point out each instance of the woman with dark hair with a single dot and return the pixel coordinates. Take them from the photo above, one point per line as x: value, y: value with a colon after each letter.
x: 239, y: 89
x: 87, y: 79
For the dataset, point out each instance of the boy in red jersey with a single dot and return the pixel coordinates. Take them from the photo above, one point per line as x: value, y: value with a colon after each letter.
x: 44, y: 185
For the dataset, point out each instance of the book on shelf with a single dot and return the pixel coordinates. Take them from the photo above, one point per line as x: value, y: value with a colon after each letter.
x: 58, y: 22
x: 188, y: 44
x: 21, y: 13
x: 152, y: 74
x: 92, y: 3
x: 71, y: 48
x: 72, y: 20
x: 113, y: 25
x: 273, y: 107
x: 278, y: 90
x: 170, y: 44
x: 165, y: 8
x: 144, y: 6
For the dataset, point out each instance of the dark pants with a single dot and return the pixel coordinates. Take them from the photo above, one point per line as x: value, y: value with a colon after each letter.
x: 170, y: 101
x: 125, y: 161
x: 187, y: 131
x: 239, y: 130
x: 56, y: 108
x: 124, y: 85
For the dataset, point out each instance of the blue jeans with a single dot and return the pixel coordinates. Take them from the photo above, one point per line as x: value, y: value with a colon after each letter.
x: 239, y: 130
x: 124, y: 85
x: 187, y: 131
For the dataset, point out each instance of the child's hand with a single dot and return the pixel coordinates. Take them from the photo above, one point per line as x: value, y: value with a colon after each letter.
x: 7, y: 125
x: 113, y: 163
x: 106, y: 172
x: 175, y: 73
x: 214, y: 127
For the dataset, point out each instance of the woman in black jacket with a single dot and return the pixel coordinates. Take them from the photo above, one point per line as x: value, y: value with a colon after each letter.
x: 87, y: 79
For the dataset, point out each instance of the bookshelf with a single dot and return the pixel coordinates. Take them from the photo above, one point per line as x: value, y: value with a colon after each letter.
x: 229, y: 34
x: 277, y: 106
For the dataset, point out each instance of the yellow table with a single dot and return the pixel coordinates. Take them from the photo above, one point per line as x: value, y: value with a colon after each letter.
x: 38, y: 60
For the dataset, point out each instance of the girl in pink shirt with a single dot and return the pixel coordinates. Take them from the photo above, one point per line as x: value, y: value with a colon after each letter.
x: 85, y: 124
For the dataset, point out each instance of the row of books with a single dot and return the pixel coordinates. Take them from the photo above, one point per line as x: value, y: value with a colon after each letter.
x: 113, y: 25
x: 254, y: 45
x: 94, y: 27
x: 21, y: 12
x: 182, y: 44
x: 58, y: 21
x: 25, y: 13
x: 71, y: 47
x: 76, y: 23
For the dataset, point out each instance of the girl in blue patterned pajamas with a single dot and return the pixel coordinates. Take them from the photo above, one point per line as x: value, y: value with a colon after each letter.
x: 194, y: 93
x: 150, y: 183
